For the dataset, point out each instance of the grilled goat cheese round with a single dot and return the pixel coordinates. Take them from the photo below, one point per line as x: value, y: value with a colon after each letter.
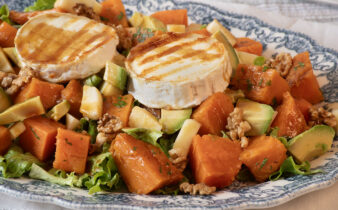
x: 63, y: 46
x: 177, y: 71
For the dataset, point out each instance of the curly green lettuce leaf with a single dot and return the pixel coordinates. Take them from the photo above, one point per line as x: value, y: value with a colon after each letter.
x: 16, y: 163
x: 40, y: 5
x: 149, y: 136
x: 103, y: 175
x: 4, y: 14
x: 290, y: 167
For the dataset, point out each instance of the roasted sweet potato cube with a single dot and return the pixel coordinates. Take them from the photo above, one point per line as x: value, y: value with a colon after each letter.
x: 5, y: 140
x: 71, y: 151
x: 263, y: 156
x: 304, y: 106
x: 39, y: 137
x: 73, y: 94
x: 289, y: 119
x: 49, y: 92
x: 215, y: 160
x: 213, y: 113
x: 143, y: 167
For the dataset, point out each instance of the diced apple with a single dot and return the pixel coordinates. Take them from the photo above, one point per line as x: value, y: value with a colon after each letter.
x: 72, y: 122
x: 17, y: 129
x: 141, y: 118
x: 215, y: 26
x: 176, y: 28
x: 92, y: 103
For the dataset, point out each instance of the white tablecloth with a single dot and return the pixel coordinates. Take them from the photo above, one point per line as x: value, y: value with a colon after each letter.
x: 319, y: 16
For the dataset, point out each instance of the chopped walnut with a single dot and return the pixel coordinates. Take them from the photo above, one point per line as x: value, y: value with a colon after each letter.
x: 237, y: 127
x: 321, y: 116
x: 125, y: 42
x: 12, y: 82
x: 109, y: 124
x: 282, y: 63
x: 83, y: 10
x: 194, y: 189
x: 179, y: 161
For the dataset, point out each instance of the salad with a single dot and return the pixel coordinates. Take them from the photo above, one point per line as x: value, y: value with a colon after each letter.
x: 151, y: 104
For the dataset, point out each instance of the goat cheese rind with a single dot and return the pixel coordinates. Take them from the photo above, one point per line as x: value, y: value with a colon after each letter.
x: 176, y: 71
x: 63, y: 46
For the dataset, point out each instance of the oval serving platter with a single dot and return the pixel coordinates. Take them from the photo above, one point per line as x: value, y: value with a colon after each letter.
x: 238, y: 195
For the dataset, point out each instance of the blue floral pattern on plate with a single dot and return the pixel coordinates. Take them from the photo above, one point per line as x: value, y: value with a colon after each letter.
x: 238, y: 195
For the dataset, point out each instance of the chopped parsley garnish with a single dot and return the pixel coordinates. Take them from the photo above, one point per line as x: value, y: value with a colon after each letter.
x: 120, y: 103
x: 169, y: 172
x: 134, y: 148
x: 263, y: 163
x: 203, y: 26
x: 268, y: 83
x: 265, y: 68
x: 300, y: 64
x: 67, y: 142
x: 160, y: 169
x: 104, y: 18
x: 141, y: 36
x: 260, y: 82
x: 322, y: 146
x: 34, y: 133
x: 274, y: 101
x: 249, y: 87
x: 120, y: 16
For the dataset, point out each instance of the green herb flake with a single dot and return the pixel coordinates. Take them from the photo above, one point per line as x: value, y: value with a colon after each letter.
x: 268, y: 83
x: 104, y: 18
x: 260, y: 82
x: 263, y: 163
x: 169, y: 172
x: 249, y: 87
x: 274, y: 101
x: 68, y: 142
x: 120, y: 16
x: 34, y: 133
x: 134, y: 148
x: 4, y: 14
x: 160, y: 169
x: 324, y: 147
x: 300, y: 64
x: 203, y: 26
x: 265, y: 68
x: 120, y: 103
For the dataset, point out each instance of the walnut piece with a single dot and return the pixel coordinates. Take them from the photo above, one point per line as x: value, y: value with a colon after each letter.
x: 109, y: 124
x: 194, y: 189
x: 125, y: 42
x: 282, y: 63
x: 321, y: 116
x: 237, y: 127
x: 83, y: 10
x: 179, y: 161
x: 12, y: 83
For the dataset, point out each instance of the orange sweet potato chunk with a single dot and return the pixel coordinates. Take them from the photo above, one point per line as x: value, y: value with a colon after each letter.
x: 213, y: 113
x: 73, y: 94
x: 289, y: 119
x: 178, y: 16
x: 7, y: 35
x: 264, y: 86
x: 302, y: 81
x: 115, y: 12
x: 304, y: 106
x: 119, y: 106
x: 49, y: 92
x: 39, y: 137
x: 143, y: 167
x: 71, y: 151
x: 248, y: 45
x: 5, y: 140
x: 215, y: 160
x: 263, y: 156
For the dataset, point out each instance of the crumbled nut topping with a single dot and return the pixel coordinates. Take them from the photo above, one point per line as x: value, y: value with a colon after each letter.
x: 194, y: 189
x: 237, y: 127
x: 179, y: 161
x: 109, y: 124
x: 321, y: 116
x: 125, y: 42
x: 282, y: 63
x: 12, y: 83
x: 83, y: 10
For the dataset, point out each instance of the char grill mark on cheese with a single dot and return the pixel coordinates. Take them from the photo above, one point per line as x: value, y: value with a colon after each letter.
x: 59, y: 50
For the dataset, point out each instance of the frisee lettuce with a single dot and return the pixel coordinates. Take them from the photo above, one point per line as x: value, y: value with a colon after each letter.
x: 40, y: 5
x: 289, y: 167
x: 4, y: 14
x: 16, y: 163
x: 103, y: 175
